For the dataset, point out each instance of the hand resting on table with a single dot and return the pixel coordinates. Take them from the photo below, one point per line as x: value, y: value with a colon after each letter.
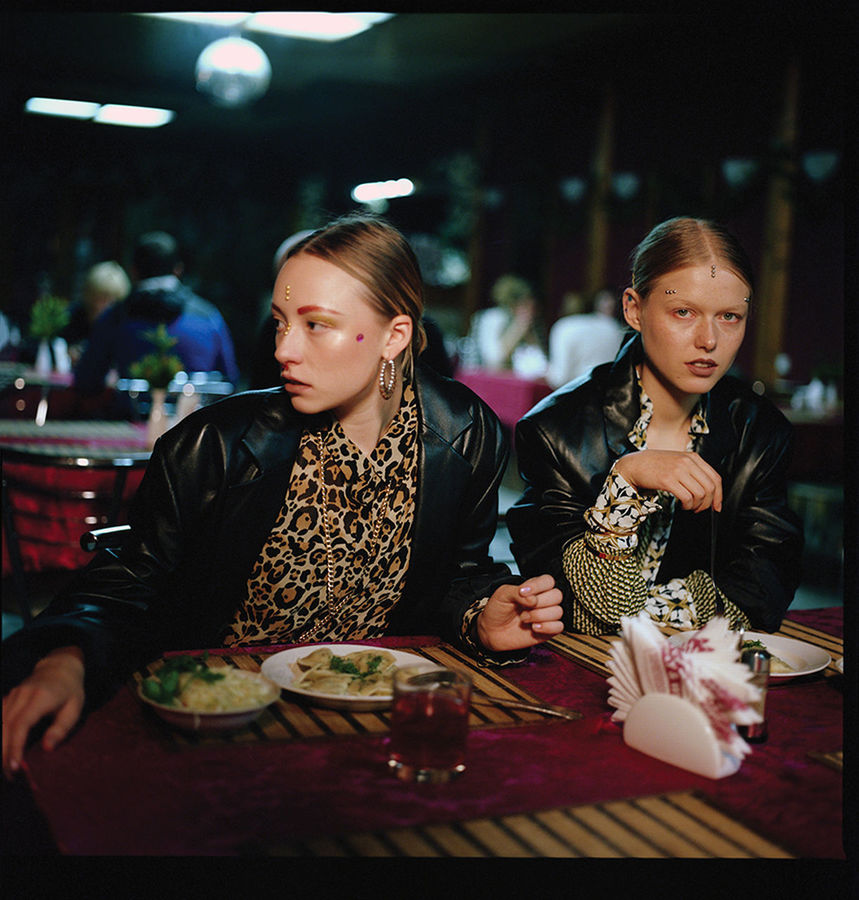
x: 55, y: 688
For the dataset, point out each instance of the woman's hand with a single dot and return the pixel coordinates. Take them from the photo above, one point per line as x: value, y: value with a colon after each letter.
x: 521, y: 616
x: 695, y: 483
x: 56, y: 687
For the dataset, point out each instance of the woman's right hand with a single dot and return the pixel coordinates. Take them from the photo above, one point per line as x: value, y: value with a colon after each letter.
x: 695, y: 483
x: 55, y: 687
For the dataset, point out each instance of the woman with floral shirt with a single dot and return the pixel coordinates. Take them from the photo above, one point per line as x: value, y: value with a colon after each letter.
x: 658, y: 482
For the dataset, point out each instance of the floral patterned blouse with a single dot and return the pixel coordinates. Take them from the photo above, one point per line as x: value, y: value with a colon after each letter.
x: 612, y: 569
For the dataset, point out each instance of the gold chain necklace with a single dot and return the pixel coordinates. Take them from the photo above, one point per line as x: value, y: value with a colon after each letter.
x: 334, y: 608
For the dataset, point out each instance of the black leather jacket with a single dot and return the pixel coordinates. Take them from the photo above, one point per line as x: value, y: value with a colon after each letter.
x: 208, y: 500
x: 568, y: 443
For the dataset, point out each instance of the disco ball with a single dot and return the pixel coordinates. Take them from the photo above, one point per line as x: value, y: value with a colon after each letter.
x: 233, y: 71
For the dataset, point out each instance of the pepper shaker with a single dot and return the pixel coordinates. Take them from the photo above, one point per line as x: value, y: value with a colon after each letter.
x: 758, y: 660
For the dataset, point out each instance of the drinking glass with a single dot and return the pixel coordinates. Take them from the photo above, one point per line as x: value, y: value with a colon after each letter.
x: 429, y: 723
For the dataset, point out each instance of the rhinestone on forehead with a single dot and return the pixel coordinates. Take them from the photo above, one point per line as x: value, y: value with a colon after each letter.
x: 712, y: 271
x: 286, y: 295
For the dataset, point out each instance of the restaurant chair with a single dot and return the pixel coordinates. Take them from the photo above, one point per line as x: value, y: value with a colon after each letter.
x: 45, y: 504
x: 103, y: 538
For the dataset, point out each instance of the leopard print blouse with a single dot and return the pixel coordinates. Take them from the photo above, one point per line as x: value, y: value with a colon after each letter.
x: 286, y: 597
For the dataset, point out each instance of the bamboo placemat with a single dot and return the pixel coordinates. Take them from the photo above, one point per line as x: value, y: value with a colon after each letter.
x: 672, y: 825
x: 835, y: 759
x: 290, y: 719
x: 593, y: 651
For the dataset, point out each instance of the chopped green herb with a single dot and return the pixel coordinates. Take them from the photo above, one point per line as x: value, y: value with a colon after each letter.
x: 163, y: 687
x: 338, y: 664
x: 753, y: 645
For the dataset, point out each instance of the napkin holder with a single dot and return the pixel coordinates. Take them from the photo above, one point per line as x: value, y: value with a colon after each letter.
x: 676, y: 731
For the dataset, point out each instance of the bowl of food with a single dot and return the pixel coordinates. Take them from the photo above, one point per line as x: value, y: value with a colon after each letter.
x: 187, y: 694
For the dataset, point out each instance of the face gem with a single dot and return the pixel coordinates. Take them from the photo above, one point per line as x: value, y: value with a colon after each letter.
x: 359, y: 338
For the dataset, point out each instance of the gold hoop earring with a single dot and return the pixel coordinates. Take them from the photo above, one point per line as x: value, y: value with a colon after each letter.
x: 387, y: 378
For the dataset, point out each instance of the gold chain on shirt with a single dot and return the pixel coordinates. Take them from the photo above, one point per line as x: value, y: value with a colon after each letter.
x: 334, y: 608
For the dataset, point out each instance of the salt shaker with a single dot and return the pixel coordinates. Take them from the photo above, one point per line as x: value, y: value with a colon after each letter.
x: 758, y: 660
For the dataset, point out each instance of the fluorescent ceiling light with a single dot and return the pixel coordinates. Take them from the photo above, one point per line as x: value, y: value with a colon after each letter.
x: 135, y: 116
x: 371, y: 191
x: 313, y: 26
x: 109, y: 113
x: 227, y: 19
x: 71, y: 109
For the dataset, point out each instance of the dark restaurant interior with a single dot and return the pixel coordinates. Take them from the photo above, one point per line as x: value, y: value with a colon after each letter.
x: 543, y: 145
x: 539, y: 144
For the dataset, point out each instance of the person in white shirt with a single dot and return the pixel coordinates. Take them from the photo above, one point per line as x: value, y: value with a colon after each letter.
x: 579, y: 341
x: 507, y: 335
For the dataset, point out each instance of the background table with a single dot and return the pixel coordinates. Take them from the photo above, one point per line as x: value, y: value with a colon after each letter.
x: 509, y: 396
x: 64, y: 478
x: 124, y: 784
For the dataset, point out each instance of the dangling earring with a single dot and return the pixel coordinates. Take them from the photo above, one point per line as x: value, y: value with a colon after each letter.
x: 387, y: 378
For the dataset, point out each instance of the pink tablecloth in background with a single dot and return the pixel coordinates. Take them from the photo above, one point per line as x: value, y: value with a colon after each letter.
x: 509, y: 396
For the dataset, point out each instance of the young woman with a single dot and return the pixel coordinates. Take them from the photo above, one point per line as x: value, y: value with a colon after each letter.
x: 356, y: 501
x: 658, y: 482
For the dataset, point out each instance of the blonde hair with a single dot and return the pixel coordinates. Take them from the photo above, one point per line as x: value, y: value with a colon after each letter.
x: 681, y: 242
x: 510, y: 290
x: 375, y: 253
x: 106, y: 278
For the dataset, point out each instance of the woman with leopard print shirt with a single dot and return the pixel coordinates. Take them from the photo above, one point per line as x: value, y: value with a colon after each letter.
x: 358, y: 500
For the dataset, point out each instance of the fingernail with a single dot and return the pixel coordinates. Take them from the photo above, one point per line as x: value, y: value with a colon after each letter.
x: 525, y: 589
x: 14, y: 765
x: 537, y: 626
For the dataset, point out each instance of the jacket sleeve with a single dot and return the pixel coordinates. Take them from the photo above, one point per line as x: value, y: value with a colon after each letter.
x: 115, y: 608
x: 460, y: 493
x: 550, y: 513
x: 759, y: 568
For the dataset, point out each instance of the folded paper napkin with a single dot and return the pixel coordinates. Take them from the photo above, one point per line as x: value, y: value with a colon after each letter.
x: 702, y: 667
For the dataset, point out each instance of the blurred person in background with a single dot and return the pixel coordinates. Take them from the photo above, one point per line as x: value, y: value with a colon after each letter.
x: 585, y: 336
x: 105, y: 284
x: 118, y: 337
x: 508, y: 335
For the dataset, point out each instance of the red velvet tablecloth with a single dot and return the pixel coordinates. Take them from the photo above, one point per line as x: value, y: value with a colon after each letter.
x: 117, y: 787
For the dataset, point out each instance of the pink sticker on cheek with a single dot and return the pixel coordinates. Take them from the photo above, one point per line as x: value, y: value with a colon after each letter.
x: 359, y: 338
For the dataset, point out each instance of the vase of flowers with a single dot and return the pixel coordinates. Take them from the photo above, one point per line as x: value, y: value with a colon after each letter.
x: 158, y: 368
x: 48, y: 317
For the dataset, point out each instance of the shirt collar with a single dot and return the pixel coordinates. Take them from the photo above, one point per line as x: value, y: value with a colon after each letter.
x: 638, y: 434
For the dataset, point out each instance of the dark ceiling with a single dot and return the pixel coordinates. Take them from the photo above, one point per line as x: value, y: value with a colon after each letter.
x: 128, y: 58
x: 422, y: 82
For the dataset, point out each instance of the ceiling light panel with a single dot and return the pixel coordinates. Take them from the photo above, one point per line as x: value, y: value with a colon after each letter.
x: 311, y: 26
x: 70, y: 109
x: 108, y: 113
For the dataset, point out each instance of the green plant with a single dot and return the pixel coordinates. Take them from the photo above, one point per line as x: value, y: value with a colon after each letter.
x: 160, y: 367
x: 48, y: 317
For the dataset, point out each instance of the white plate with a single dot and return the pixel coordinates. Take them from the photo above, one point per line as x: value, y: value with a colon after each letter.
x: 805, y: 658
x: 279, y: 669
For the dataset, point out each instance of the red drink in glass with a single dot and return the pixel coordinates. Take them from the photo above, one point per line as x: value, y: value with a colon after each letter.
x: 429, y: 724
